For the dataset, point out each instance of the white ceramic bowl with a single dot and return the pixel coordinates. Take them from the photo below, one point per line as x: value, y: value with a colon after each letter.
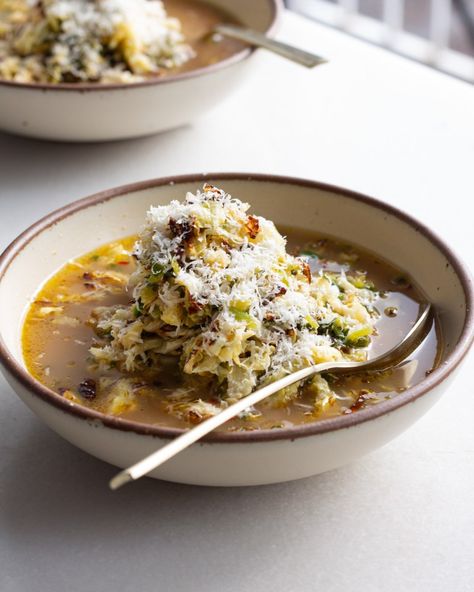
x: 93, y: 112
x: 247, y: 458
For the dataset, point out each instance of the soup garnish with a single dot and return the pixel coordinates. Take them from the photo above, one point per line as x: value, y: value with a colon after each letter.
x: 206, y: 306
x: 106, y: 41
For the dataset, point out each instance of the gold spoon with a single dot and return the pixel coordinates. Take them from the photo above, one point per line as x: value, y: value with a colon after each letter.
x: 382, y: 362
x: 305, y: 58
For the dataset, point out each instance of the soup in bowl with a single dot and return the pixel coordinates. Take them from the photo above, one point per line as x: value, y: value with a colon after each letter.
x: 123, y: 69
x: 122, y: 336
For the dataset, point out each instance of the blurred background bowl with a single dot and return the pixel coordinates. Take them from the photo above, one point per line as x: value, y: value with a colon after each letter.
x: 94, y: 112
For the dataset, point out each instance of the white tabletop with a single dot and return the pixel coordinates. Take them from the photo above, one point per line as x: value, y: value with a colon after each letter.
x: 399, y: 519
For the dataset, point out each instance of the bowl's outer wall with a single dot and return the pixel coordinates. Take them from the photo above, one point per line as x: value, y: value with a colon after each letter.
x: 100, y: 114
x: 234, y: 464
x: 115, y: 114
x: 243, y: 462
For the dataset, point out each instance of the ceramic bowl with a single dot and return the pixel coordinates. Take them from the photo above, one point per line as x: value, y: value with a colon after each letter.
x: 245, y: 458
x: 93, y: 112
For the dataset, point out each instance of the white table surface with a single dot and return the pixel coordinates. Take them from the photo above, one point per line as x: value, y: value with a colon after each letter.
x: 399, y: 519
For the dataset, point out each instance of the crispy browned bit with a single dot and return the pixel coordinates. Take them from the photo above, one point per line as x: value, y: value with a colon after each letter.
x: 252, y: 225
x: 194, y: 306
x: 89, y: 285
x: 88, y: 388
x: 226, y: 246
x: 194, y: 417
x: 269, y: 317
x: 87, y: 276
x: 186, y: 230
x: 291, y: 332
x: 279, y: 292
x: 216, y: 194
x: 306, y: 271
x: 359, y: 403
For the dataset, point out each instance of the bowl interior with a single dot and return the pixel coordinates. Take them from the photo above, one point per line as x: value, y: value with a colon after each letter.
x: 261, y: 15
x: 256, y: 14
x: 85, y: 225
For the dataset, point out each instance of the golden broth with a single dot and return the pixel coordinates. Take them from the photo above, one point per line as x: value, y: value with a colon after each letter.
x: 198, y: 20
x: 57, y: 337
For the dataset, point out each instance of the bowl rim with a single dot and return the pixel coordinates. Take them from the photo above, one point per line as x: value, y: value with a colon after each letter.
x: 454, y: 358
x: 276, y: 7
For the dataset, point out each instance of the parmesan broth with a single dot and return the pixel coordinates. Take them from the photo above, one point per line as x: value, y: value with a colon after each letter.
x: 57, y: 336
x: 198, y: 20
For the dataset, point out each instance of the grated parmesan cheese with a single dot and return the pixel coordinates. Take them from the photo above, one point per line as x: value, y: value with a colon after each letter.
x: 215, y: 287
x: 80, y: 40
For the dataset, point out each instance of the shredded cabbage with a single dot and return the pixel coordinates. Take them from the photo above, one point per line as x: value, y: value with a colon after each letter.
x: 215, y: 288
x: 80, y: 41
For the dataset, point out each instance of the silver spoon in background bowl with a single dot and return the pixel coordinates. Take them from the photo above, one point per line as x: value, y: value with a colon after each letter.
x: 383, y: 361
x: 304, y: 58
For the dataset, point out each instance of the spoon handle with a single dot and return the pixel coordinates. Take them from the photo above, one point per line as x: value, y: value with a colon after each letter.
x: 163, y: 454
x: 310, y: 60
x: 157, y: 458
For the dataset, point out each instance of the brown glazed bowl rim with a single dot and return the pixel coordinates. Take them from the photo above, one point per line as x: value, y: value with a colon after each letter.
x: 291, y: 433
x: 277, y: 10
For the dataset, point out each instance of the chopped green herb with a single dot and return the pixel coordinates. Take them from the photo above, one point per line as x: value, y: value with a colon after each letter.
x: 313, y: 324
x: 243, y: 316
x: 138, y: 309
x: 157, y: 269
x: 360, y: 281
x: 359, y: 337
x: 334, y: 328
x: 175, y: 266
